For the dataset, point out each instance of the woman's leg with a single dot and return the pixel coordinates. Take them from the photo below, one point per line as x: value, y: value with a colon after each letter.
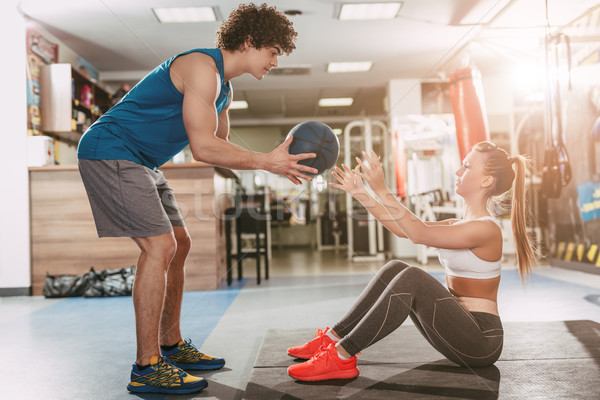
x: 369, y: 296
x: 450, y: 329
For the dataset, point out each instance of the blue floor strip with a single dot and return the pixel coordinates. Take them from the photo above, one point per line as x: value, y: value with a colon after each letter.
x: 91, y: 341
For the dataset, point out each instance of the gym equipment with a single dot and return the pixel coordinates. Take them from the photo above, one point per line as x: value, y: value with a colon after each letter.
x: 368, y: 233
x: 104, y: 283
x: 315, y: 137
x: 426, y: 151
x: 400, y: 164
x: 468, y: 107
x: 556, y: 172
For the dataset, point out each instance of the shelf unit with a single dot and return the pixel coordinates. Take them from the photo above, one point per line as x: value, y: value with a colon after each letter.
x: 66, y: 109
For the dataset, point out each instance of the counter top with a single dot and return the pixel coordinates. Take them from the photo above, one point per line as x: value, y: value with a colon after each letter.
x: 227, y: 173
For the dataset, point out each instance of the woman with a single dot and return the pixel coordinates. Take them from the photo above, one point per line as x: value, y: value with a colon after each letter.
x: 461, y: 322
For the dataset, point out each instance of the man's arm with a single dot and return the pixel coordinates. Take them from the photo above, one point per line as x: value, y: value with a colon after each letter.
x: 208, y: 131
x: 200, y: 87
x: 223, y: 123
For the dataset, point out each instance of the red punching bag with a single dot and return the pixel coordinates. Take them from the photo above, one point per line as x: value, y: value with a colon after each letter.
x: 468, y: 106
x: 399, y: 164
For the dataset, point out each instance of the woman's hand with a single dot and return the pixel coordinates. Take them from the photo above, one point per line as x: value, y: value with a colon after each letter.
x: 349, y: 180
x: 372, y: 172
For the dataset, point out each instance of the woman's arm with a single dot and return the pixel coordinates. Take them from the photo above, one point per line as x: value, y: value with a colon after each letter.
x: 353, y: 184
x: 442, y: 235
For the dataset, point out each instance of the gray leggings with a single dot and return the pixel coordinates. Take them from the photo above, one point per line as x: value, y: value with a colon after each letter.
x: 399, y: 290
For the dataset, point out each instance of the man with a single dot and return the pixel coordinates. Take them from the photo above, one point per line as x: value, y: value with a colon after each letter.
x: 184, y: 100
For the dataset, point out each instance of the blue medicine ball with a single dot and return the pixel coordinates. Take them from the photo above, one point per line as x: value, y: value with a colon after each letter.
x: 315, y: 137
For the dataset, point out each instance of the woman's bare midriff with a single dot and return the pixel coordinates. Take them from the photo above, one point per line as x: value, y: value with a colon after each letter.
x: 475, y: 294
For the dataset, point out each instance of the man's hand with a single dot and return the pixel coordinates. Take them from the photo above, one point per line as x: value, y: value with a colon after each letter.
x: 280, y: 162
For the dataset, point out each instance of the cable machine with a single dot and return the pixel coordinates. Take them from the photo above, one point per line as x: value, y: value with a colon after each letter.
x: 430, y: 153
x: 364, y: 221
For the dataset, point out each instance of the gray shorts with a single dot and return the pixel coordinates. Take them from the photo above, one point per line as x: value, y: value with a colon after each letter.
x: 128, y: 199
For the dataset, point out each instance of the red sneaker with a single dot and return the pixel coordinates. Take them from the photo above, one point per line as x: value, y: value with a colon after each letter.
x: 307, y: 350
x: 323, y: 366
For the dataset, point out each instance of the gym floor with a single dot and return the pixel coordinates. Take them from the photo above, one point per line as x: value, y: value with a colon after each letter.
x: 83, y: 348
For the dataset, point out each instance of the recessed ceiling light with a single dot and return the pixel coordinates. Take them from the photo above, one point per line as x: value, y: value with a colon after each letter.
x: 353, y: 11
x: 360, y: 66
x: 336, y: 102
x: 185, y: 14
x: 338, y: 131
x: 238, y: 105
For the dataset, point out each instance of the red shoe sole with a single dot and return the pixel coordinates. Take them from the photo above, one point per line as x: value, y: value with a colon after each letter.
x: 353, y: 373
x: 300, y: 356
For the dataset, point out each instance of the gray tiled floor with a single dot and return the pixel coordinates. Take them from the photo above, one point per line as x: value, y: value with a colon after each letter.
x: 82, y: 349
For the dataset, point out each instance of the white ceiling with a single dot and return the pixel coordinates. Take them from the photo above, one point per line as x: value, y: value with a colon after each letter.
x: 427, y: 40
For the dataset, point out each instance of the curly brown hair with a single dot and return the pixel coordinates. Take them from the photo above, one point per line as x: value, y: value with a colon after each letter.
x: 263, y: 25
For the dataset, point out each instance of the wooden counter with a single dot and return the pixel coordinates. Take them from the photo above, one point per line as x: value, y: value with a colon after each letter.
x: 64, y: 238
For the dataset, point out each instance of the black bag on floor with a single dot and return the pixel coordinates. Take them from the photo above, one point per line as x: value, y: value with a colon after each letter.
x: 65, y: 285
x: 109, y: 283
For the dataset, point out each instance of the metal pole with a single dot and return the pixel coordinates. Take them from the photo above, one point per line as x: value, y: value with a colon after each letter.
x: 347, y: 161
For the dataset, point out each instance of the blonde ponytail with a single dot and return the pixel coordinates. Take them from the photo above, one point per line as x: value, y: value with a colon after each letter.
x: 526, y: 257
x: 498, y: 164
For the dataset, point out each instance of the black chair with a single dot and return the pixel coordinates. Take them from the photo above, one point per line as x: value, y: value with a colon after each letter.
x: 252, y: 224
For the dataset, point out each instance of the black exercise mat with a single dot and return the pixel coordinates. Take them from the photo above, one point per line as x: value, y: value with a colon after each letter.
x: 543, y: 360
x: 522, y: 341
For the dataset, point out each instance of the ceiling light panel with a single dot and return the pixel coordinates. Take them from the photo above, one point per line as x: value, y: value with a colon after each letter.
x: 238, y: 105
x: 185, y: 14
x: 358, y: 11
x: 336, y: 102
x: 340, y: 67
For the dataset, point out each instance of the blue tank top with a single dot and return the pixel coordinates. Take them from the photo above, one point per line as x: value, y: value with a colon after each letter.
x: 146, y: 126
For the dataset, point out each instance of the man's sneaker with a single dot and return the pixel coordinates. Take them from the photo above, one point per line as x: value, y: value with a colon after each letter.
x: 307, y: 350
x: 323, y: 366
x: 162, y: 377
x: 187, y: 356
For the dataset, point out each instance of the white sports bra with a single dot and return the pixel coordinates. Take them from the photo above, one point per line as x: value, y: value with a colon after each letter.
x: 464, y: 264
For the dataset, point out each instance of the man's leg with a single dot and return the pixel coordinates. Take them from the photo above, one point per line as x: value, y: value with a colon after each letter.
x: 182, y: 354
x: 170, y: 329
x: 149, y: 292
